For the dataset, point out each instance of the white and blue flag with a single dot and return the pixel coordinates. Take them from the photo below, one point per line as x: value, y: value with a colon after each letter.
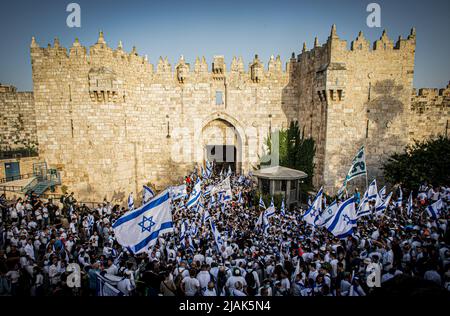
x: 434, y: 209
x: 342, y: 223
x: 261, y: 203
x: 382, y: 193
x: 270, y: 211
x: 327, y: 214
x: 399, y: 201
x: 205, y: 217
x: 381, y: 207
x: 282, y: 210
x: 130, y: 202
x: 240, y: 199
x: 372, y: 191
x: 147, y: 194
x: 409, y: 208
x: 139, y: 229
x: 315, y: 209
x: 217, y: 237
x: 178, y: 192
x: 194, y: 198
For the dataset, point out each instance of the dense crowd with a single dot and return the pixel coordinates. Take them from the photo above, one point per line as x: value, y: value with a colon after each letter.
x: 40, y: 238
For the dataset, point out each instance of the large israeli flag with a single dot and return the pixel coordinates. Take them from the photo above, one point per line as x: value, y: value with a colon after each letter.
x: 139, y: 229
x: 342, y: 223
x: 147, y: 194
x: 327, y: 215
x: 434, y: 209
x: 194, y: 198
x: 315, y: 209
x: 130, y: 202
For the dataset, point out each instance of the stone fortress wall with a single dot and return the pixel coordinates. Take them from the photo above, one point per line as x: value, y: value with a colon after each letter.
x: 110, y: 121
x: 17, y: 119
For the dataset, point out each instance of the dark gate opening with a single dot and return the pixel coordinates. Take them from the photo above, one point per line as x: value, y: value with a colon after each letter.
x: 223, y: 157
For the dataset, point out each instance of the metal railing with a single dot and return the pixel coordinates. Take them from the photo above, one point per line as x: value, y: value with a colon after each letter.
x: 18, y: 177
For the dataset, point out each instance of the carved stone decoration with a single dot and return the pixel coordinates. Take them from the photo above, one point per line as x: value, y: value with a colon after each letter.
x: 163, y: 66
x: 182, y: 70
x: 256, y: 70
x: 103, y: 85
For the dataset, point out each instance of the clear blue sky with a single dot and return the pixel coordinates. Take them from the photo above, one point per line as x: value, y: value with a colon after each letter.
x: 228, y: 27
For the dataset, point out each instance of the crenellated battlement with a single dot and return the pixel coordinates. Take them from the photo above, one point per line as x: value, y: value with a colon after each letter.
x: 359, y: 45
x: 427, y: 100
x: 101, y: 52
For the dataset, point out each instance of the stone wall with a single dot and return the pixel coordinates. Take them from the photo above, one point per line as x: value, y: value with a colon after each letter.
x: 111, y: 121
x: 17, y: 119
x: 358, y: 96
x: 123, y: 122
x: 430, y: 113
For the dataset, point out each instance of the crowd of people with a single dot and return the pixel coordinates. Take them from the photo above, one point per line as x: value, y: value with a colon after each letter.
x: 39, y: 239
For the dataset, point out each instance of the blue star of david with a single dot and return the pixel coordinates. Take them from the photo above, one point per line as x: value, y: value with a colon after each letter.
x: 149, y: 226
x: 346, y: 218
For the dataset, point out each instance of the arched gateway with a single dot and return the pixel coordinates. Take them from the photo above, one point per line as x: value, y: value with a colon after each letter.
x: 223, y: 141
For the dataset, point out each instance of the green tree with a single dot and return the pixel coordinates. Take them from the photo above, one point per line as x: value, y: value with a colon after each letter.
x: 295, y: 151
x: 426, y: 161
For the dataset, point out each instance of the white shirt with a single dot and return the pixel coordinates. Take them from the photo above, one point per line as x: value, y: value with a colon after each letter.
x: 203, y: 277
x: 191, y: 286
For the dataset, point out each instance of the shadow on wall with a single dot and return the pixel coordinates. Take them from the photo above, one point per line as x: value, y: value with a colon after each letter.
x: 382, y: 110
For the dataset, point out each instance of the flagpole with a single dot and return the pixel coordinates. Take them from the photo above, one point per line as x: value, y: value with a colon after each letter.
x: 367, y: 169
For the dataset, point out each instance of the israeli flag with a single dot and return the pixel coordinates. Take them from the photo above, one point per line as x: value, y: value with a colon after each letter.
x: 382, y: 193
x: 266, y: 224
x: 270, y: 210
x: 372, y: 191
x: 342, y: 223
x: 434, y: 209
x: 209, y: 167
x: 229, y: 171
x: 384, y: 204
x: 315, y: 209
x: 282, y: 210
x: 213, y: 201
x: 147, y: 195
x: 327, y: 215
x: 195, y: 195
x: 205, y: 217
x: 183, y: 230
x: 204, y: 176
x: 130, y: 202
x: 261, y: 203
x: 178, y: 192
x: 240, y: 199
x: 140, y: 229
x: 409, y: 208
x: 364, y: 208
x: 398, y: 202
x: 217, y: 237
